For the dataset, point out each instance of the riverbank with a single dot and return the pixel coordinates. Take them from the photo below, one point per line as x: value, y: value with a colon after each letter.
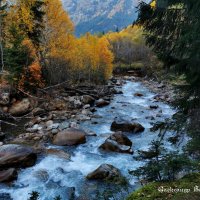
x: 97, y: 144
x: 183, y: 189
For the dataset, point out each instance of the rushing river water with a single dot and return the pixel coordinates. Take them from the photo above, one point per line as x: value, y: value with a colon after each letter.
x: 56, y: 174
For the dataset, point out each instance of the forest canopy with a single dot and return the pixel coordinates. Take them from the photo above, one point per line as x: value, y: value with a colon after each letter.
x: 38, y: 46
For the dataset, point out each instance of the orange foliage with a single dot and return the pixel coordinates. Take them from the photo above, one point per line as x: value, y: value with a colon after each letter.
x: 32, y: 76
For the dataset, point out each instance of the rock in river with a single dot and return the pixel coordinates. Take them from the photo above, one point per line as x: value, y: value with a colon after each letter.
x: 117, y: 142
x: 105, y: 172
x: 8, y: 175
x: 101, y: 103
x: 70, y: 137
x: 12, y: 155
x: 125, y: 126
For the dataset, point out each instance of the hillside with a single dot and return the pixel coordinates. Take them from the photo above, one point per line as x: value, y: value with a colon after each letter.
x: 101, y: 16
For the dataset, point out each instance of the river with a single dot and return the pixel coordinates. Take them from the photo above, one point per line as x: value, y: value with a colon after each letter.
x: 58, y: 175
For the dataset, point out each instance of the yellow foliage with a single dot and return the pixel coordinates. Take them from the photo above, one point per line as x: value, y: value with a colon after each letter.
x: 58, y: 31
x: 153, y: 4
x: 93, y: 58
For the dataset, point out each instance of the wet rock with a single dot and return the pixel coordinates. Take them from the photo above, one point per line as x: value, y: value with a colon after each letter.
x: 12, y: 155
x: 5, y: 196
x: 112, y: 146
x: 154, y: 106
x: 42, y: 175
x: 138, y: 95
x: 58, y: 153
x: 38, y: 111
x: 1, y: 143
x: 101, y: 103
x: 125, y: 126
x: 74, y: 125
x: 120, y: 138
x: 150, y: 117
x: 69, y: 137
x: 87, y: 99
x: 117, y: 142
x: 21, y: 107
x: 82, y: 117
x: 8, y: 175
x: 105, y: 172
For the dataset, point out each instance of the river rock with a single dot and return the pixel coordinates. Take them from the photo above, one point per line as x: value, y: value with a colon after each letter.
x: 58, y: 153
x: 42, y: 175
x: 138, y: 95
x: 20, y: 107
x: 87, y: 99
x: 69, y: 137
x: 8, y: 175
x: 113, y: 146
x: 75, y: 102
x: 120, y: 138
x: 4, y: 98
x: 125, y: 126
x: 154, y: 106
x: 12, y: 155
x: 101, y: 103
x: 105, y: 172
x: 5, y: 196
x: 117, y: 142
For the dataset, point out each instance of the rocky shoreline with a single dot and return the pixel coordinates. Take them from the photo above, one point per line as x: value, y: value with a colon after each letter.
x: 56, y: 119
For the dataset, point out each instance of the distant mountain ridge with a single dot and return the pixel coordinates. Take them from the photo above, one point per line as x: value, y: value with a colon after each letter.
x: 101, y: 15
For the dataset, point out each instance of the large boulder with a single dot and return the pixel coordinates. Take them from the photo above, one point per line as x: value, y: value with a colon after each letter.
x: 8, y: 175
x: 12, y: 155
x: 87, y: 99
x: 20, y: 107
x: 101, y: 103
x: 105, y: 172
x: 120, y: 138
x: 70, y: 137
x: 117, y: 142
x: 112, y: 146
x: 125, y: 126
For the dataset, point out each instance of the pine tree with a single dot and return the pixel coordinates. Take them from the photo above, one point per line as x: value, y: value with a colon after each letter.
x: 17, y: 55
x: 34, y: 196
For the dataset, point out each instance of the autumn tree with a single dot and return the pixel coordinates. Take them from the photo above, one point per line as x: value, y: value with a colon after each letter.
x: 3, y: 7
x: 22, y: 36
x: 94, y: 60
x: 57, y: 42
x: 128, y: 46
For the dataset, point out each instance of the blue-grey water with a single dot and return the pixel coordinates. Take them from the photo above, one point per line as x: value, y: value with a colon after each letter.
x: 57, y: 173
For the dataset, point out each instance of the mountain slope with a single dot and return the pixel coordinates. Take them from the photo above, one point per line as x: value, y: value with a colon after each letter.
x: 101, y: 16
